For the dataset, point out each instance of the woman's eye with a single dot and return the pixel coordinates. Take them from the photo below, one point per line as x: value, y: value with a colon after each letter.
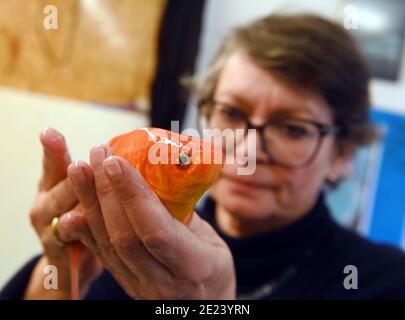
x: 295, y: 131
x: 231, y: 113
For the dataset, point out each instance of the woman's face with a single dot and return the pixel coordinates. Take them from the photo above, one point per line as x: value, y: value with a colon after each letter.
x: 272, y: 191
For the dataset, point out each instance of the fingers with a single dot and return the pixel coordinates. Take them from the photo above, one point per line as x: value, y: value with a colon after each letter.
x: 171, y: 242
x: 60, y: 199
x: 122, y: 235
x: 55, y: 158
x: 81, y: 176
x: 82, y: 179
x: 144, y: 209
x: 72, y: 226
x: 51, y: 247
x: 111, y: 213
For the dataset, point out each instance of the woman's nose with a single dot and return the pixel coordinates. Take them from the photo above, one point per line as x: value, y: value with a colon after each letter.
x: 253, y: 147
x: 261, y: 154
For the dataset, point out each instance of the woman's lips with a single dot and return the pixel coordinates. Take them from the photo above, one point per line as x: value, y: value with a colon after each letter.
x: 244, y: 183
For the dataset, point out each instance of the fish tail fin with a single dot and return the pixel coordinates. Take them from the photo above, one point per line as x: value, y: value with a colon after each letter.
x: 75, y: 251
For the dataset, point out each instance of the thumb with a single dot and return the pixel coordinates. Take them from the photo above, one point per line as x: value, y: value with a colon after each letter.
x: 55, y: 158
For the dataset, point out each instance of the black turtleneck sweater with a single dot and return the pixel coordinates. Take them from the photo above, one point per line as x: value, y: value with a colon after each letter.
x: 305, y: 260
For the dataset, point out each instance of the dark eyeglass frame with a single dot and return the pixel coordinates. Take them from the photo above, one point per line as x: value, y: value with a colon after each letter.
x: 323, y: 129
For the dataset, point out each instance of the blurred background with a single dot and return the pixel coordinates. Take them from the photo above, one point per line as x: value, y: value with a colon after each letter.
x: 97, y: 68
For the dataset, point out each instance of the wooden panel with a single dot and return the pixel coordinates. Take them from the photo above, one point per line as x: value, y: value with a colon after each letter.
x: 103, y: 51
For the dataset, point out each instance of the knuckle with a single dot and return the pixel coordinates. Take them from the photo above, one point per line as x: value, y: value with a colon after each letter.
x: 164, y: 294
x: 106, y: 247
x: 128, y: 198
x: 35, y: 217
x: 205, y: 271
x: 158, y: 241
x: 189, y: 289
x: 92, y: 208
x: 55, y: 203
x: 124, y: 244
x: 104, y: 190
x: 47, y: 242
x: 36, y: 212
x: 210, y: 267
x: 130, y: 195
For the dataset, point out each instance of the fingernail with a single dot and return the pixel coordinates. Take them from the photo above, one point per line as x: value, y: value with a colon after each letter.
x: 66, y: 222
x: 65, y: 219
x: 112, y: 167
x: 97, y: 155
x: 77, y: 174
x: 52, y: 134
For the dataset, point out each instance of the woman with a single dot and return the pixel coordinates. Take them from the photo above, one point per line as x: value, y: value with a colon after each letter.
x: 302, y: 84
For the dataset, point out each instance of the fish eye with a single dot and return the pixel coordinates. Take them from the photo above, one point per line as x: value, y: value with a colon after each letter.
x: 184, y: 159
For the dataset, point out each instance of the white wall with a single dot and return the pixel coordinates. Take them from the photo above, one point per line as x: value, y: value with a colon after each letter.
x: 22, y: 116
x: 221, y: 15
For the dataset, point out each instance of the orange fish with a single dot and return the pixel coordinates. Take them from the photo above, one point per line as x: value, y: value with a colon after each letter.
x: 178, y: 168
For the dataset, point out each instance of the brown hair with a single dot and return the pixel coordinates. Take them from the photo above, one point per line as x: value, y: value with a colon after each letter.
x: 309, y: 51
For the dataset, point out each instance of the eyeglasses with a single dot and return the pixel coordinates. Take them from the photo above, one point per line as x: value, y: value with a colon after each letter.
x: 291, y: 142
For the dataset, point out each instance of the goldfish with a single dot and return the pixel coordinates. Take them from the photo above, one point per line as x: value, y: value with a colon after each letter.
x: 178, y: 168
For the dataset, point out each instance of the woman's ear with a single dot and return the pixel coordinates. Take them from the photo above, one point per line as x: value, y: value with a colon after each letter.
x: 341, y: 166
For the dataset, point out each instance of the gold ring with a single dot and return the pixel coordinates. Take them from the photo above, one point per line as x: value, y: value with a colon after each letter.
x: 55, y: 233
